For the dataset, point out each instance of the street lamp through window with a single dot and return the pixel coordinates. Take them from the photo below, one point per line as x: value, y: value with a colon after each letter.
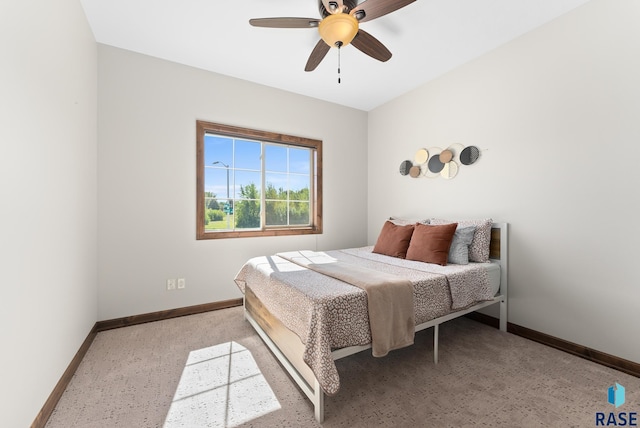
x: 229, y: 204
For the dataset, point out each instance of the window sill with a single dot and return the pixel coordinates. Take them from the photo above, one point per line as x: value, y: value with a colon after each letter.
x: 254, y: 233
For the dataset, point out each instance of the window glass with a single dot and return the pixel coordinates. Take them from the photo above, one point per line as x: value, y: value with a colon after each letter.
x: 299, y: 187
x: 247, y: 155
x: 218, y: 149
x: 299, y: 213
x: 299, y: 161
x: 247, y: 184
x: 251, y: 183
x: 275, y: 158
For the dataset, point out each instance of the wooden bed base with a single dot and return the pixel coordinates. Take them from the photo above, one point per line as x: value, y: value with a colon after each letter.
x: 288, y: 348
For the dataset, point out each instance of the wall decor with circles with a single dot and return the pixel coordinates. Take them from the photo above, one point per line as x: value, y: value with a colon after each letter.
x: 436, y: 162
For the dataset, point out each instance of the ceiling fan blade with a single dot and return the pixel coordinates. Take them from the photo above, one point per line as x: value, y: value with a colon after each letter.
x: 317, y: 55
x: 368, y: 44
x: 376, y: 8
x: 285, y: 22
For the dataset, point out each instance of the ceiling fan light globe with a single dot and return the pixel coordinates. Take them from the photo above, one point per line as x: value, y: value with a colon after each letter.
x: 340, y: 27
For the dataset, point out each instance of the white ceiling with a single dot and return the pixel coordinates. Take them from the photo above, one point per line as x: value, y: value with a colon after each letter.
x: 427, y: 39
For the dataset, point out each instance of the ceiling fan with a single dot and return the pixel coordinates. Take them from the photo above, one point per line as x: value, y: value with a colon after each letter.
x: 339, y: 26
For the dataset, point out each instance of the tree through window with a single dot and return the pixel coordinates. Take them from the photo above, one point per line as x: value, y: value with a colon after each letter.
x: 255, y: 183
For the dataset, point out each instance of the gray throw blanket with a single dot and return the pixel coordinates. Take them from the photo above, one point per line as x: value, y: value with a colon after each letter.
x: 389, y: 297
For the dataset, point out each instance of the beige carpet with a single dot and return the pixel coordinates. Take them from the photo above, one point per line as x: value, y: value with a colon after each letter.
x: 212, y: 370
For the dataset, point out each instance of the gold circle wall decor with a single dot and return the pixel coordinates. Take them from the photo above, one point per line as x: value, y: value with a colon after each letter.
x: 421, y: 156
x: 456, y: 149
x: 405, y: 166
x: 435, y: 165
x: 426, y: 172
x: 469, y: 155
x: 446, y: 156
x: 450, y: 170
x: 415, y: 171
x: 435, y: 162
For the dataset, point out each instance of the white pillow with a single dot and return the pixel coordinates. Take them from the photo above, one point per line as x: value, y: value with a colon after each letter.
x: 405, y: 221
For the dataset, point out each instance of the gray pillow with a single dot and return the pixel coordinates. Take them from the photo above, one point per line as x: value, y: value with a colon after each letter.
x: 459, y: 250
x: 480, y: 246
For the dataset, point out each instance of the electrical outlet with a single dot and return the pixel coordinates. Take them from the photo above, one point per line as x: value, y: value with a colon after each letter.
x: 182, y: 283
x: 171, y: 284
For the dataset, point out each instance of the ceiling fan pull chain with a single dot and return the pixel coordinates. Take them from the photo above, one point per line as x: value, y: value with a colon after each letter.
x: 339, y: 46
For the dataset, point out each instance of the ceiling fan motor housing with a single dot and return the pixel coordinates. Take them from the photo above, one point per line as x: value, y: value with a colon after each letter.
x: 350, y: 4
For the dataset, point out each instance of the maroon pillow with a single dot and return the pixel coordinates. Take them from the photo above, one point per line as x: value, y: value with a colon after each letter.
x: 430, y: 244
x: 394, y: 240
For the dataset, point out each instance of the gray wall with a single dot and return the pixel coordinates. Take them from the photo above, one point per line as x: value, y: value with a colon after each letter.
x: 148, y: 109
x: 48, y: 144
x: 555, y: 114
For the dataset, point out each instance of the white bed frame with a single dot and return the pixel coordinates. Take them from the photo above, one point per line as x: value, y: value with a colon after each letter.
x: 288, y: 352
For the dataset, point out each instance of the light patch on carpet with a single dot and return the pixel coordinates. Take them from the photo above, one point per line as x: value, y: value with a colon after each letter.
x: 220, y: 386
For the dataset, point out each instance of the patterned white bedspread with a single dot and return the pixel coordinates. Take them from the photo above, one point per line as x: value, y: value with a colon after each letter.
x: 327, y: 313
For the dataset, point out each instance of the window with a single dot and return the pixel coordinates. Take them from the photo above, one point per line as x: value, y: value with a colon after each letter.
x: 256, y: 183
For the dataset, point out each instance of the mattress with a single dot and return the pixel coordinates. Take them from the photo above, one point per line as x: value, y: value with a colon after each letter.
x: 493, y: 271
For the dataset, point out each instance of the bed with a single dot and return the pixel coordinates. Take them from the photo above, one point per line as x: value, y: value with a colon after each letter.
x: 309, y: 317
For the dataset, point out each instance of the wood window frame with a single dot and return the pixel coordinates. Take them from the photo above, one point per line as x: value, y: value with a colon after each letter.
x: 203, y: 127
